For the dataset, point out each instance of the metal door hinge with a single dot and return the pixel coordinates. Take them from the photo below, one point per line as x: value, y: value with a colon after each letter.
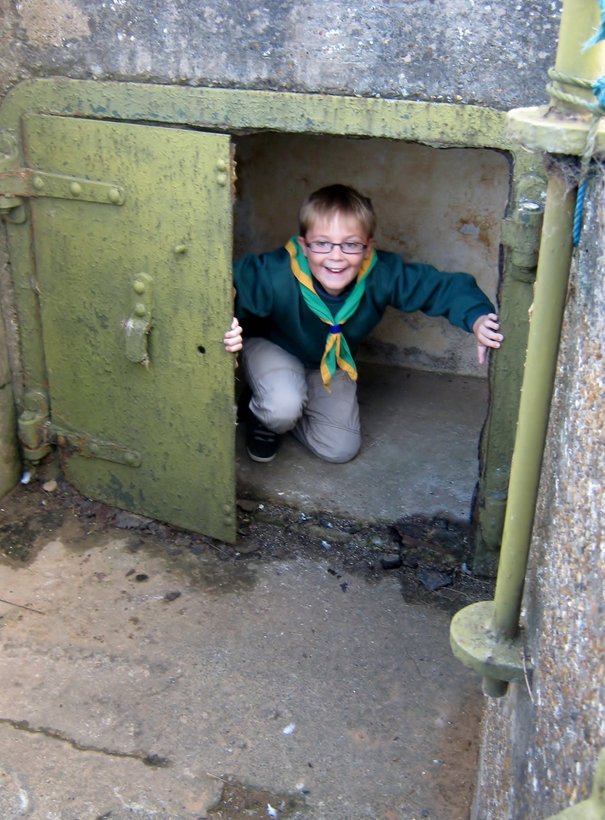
x: 18, y: 184
x: 11, y: 207
x: 37, y: 433
x: 33, y: 427
x: 89, y: 447
x: 22, y: 183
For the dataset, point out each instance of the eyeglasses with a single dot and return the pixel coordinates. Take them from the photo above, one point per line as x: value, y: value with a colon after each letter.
x: 321, y: 246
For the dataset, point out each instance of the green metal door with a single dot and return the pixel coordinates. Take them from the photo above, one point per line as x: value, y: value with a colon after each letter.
x: 132, y: 230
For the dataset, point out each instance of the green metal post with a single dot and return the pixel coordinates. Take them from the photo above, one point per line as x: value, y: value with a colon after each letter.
x: 579, y: 21
x: 552, y: 277
x: 542, y: 349
x: 485, y: 636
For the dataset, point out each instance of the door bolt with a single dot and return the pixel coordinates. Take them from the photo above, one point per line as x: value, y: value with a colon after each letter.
x: 75, y: 188
x: 138, y: 325
x: 38, y: 183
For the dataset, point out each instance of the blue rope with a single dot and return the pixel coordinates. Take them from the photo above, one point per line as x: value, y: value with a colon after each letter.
x: 579, y: 212
x: 600, y: 35
x: 598, y: 89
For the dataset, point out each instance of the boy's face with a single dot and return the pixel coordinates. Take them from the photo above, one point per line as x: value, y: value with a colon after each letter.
x: 336, y: 269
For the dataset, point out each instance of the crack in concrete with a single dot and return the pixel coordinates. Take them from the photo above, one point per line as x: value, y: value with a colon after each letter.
x: 153, y: 760
x: 21, y: 606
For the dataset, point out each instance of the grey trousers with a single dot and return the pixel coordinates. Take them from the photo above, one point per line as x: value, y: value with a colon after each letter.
x: 288, y: 397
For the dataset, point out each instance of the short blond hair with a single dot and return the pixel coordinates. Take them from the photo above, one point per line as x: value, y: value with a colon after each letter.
x: 341, y: 199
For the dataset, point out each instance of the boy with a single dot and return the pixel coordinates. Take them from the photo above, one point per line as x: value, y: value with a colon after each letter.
x: 306, y: 308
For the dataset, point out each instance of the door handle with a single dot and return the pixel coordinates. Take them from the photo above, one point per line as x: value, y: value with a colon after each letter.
x: 138, y: 325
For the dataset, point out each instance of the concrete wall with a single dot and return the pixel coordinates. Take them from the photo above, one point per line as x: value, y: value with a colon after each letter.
x: 540, y: 750
x: 444, y: 207
x: 493, y: 54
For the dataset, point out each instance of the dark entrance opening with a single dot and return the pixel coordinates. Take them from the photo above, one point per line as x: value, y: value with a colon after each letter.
x: 423, y: 397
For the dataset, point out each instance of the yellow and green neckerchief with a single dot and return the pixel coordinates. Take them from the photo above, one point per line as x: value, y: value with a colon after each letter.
x: 337, y: 351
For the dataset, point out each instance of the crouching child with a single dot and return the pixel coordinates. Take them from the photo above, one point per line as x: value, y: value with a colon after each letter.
x: 305, y: 309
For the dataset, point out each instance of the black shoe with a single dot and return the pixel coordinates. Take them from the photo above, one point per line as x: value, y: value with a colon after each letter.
x: 261, y: 443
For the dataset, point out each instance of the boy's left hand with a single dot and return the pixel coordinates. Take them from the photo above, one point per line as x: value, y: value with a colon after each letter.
x: 233, y: 339
x: 486, y: 333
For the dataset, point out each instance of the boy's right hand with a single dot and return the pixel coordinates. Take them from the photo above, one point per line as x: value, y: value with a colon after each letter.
x: 233, y: 339
x: 486, y: 329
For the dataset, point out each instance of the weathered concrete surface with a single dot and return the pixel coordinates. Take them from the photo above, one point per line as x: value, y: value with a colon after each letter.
x: 419, y: 455
x: 493, y: 54
x: 142, y: 671
x: 539, y: 754
x: 93, y: 781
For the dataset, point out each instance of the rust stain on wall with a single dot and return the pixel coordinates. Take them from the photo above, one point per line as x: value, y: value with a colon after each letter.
x: 52, y: 22
x: 480, y: 228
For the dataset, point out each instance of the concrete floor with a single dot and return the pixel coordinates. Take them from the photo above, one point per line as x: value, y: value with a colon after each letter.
x: 149, y: 674
x: 419, y: 454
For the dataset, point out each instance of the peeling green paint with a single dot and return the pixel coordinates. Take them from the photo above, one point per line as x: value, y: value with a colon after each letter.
x: 235, y: 111
x: 111, y: 400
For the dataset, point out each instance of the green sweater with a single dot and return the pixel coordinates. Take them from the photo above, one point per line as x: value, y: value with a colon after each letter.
x: 269, y: 302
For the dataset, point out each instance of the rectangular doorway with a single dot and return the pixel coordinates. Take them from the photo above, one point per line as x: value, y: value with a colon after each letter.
x: 423, y: 397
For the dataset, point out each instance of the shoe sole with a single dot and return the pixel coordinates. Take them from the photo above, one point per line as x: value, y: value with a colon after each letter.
x: 261, y: 459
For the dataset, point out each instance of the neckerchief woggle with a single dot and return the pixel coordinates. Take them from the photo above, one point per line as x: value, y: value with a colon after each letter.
x: 336, y: 352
